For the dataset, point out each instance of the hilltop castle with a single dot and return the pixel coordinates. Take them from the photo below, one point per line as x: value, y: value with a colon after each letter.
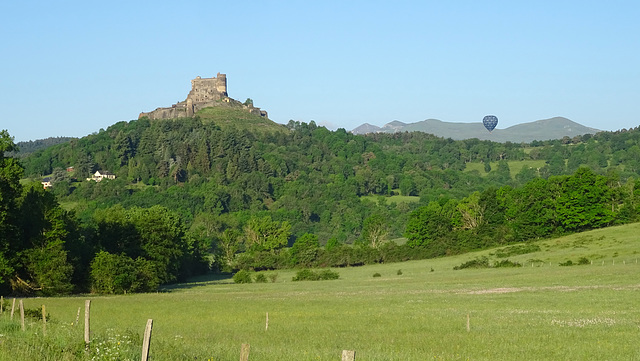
x: 205, y: 92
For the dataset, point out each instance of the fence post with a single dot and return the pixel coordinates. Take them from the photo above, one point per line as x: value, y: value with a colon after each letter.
x: 244, y: 352
x: 468, y: 322
x: 1, y: 304
x: 44, y: 320
x: 87, y: 332
x: 77, y: 317
x: 147, y: 340
x: 13, y: 308
x: 22, y: 315
x: 348, y: 355
x: 266, y: 326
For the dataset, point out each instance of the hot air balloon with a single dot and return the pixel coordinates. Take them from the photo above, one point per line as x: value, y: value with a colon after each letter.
x: 490, y: 122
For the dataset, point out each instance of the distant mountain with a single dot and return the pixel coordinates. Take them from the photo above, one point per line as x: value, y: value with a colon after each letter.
x: 394, y: 126
x: 366, y: 128
x: 553, y: 128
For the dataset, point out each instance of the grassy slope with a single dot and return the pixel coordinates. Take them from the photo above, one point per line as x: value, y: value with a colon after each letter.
x: 239, y: 118
x: 539, y: 312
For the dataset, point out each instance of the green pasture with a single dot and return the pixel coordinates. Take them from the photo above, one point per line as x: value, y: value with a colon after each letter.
x: 515, y: 166
x: 415, y: 310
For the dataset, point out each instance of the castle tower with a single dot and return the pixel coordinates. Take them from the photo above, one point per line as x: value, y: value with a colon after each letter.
x: 221, y: 84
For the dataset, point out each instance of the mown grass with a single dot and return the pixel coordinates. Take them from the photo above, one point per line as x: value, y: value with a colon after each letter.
x: 541, y: 311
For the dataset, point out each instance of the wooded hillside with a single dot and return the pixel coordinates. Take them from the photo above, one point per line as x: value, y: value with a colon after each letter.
x: 248, y: 194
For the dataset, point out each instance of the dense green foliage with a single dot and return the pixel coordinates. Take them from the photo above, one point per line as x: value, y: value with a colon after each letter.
x: 44, y: 250
x: 270, y: 198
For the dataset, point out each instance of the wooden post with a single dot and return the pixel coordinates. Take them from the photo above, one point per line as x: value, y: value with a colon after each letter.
x: 87, y: 311
x: 147, y: 340
x: 13, y: 308
x: 468, y: 322
x: 22, y: 315
x: 77, y: 317
x: 348, y: 355
x: 1, y: 304
x: 266, y: 326
x: 244, y: 352
x: 44, y: 320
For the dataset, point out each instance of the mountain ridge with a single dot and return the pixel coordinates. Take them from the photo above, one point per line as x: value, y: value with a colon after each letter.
x: 543, y: 129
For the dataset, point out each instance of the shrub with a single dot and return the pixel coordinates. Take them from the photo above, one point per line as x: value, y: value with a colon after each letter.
x: 328, y: 275
x: 273, y: 277
x: 399, y: 273
x: 583, y: 260
x: 506, y: 263
x: 377, y: 274
x: 567, y: 263
x: 309, y: 275
x: 481, y: 262
x: 260, y: 278
x: 305, y: 275
x: 242, y: 276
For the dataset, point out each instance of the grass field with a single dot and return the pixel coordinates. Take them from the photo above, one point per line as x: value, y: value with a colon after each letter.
x: 541, y: 311
x: 515, y: 166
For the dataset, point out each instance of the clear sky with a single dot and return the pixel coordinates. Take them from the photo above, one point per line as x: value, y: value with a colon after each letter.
x: 70, y: 68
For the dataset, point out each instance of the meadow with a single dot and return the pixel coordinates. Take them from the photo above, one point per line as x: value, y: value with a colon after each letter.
x: 418, y: 310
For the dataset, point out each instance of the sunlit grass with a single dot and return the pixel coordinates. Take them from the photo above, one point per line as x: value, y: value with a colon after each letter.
x: 541, y: 311
x: 515, y: 166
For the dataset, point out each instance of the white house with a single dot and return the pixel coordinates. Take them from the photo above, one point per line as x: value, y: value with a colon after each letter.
x: 98, y: 176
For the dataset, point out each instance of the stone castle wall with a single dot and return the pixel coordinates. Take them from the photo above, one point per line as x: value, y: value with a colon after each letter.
x: 205, y: 92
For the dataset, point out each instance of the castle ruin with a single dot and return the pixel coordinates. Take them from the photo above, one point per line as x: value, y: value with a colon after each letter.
x: 205, y: 92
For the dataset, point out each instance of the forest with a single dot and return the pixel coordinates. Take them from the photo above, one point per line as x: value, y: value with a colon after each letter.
x: 194, y: 196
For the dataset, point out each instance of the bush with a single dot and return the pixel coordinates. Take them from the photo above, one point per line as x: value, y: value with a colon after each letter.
x: 583, y: 261
x: 260, y: 278
x: 567, y: 263
x: 309, y: 275
x: 273, y: 277
x: 399, y: 273
x: 377, y: 274
x: 242, y: 276
x: 506, y: 263
x: 328, y: 275
x: 305, y: 275
x: 481, y: 262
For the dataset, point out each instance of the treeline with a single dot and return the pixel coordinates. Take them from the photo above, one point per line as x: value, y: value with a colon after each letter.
x: 539, y: 209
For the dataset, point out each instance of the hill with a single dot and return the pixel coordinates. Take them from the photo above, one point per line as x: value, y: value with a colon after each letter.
x: 28, y: 147
x: 545, y: 129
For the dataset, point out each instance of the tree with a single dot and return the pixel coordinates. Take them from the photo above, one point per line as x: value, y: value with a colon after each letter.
x: 264, y: 234
x: 582, y: 201
x: 10, y: 189
x: 305, y: 250
x: 46, y: 228
x: 375, y: 230
x: 227, y: 245
x: 427, y: 224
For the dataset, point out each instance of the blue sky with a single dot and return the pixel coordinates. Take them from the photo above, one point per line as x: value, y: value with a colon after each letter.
x: 70, y: 68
